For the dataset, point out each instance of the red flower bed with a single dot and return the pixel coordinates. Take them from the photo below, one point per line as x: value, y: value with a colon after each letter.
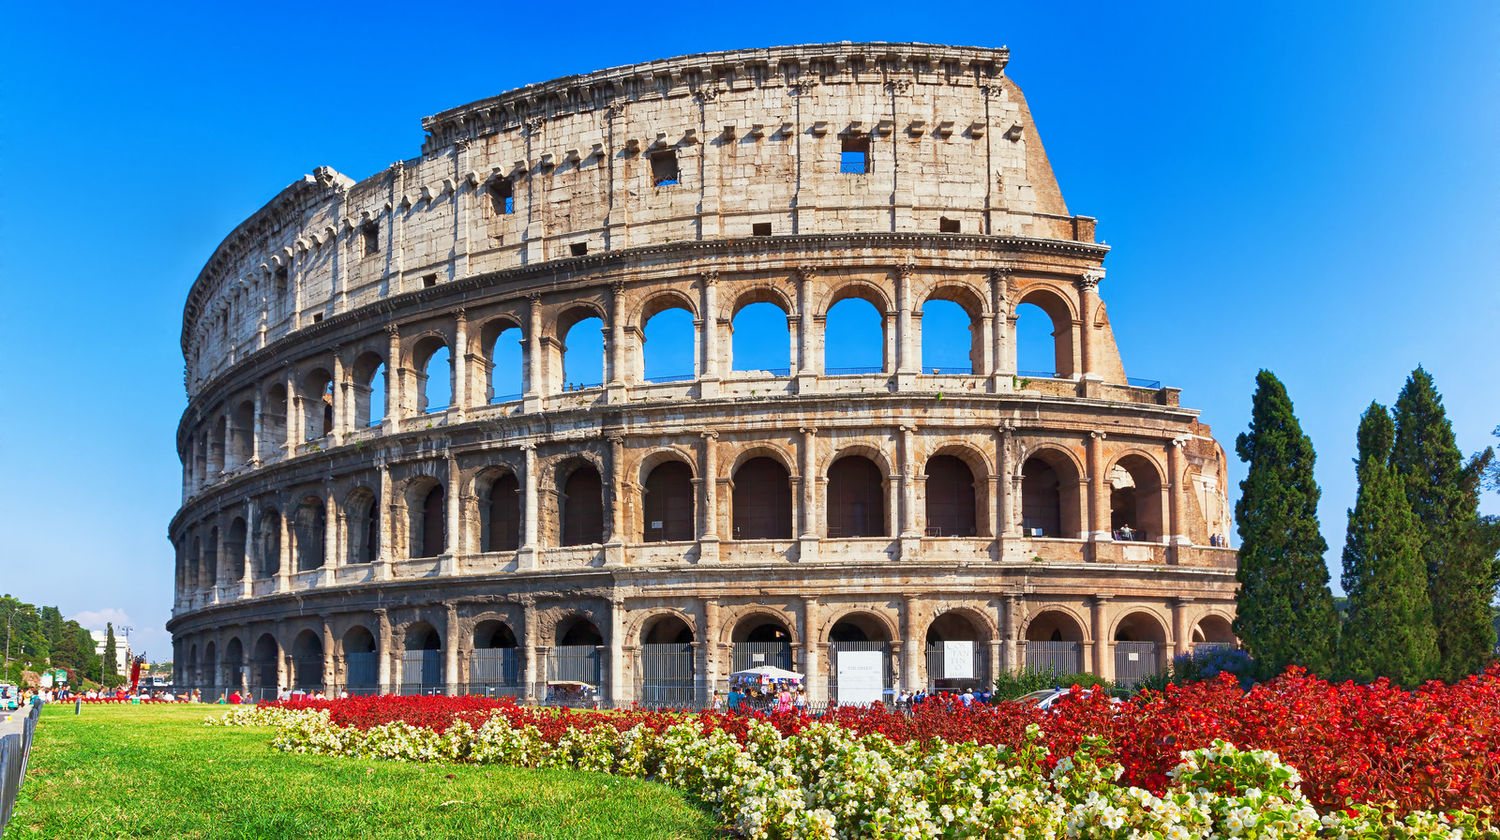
x: 1436, y: 748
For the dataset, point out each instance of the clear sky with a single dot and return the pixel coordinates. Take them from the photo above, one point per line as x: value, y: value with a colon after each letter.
x: 1312, y: 188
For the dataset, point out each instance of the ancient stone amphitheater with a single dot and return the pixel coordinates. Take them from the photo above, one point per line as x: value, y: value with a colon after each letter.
x: 572, y: 516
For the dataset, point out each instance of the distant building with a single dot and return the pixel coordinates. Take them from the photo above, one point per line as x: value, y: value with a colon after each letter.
x: 122, y: 650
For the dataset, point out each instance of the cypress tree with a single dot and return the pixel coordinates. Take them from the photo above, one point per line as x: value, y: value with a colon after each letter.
x: 1285, y: 613
x: 1389, y: 631
x: 111, y: 663
x: 1456, y: 546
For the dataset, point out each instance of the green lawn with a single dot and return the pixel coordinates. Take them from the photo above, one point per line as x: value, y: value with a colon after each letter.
x: 134, y: 771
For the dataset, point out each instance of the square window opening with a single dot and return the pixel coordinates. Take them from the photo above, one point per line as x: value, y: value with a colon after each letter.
x: 947, y: 225
x: 428, y: 281
x: 854, y: 159
x: 504, y: 195
x: 760, y: 229
x: 371, y: 236
x: 317, y: 316
x: 664, y: 171
x: 579, y: 248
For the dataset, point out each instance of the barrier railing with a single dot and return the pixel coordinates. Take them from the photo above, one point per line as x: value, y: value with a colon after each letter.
x: 15, y: 748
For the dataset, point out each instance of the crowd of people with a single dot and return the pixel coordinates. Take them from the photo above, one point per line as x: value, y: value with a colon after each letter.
x: 777, y: 696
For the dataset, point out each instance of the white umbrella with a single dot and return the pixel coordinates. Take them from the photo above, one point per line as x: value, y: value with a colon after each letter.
x: 766, y: 672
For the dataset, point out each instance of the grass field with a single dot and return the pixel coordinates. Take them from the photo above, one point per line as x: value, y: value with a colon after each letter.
x: 133, y: 771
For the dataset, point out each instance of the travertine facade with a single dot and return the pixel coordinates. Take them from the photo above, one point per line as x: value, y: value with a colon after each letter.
x: 651, y: 536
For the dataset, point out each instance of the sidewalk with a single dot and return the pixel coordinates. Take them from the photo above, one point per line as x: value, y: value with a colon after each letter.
x: 12, y: 721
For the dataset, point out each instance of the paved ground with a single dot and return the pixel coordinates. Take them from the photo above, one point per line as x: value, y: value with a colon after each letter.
x: 10, y: 722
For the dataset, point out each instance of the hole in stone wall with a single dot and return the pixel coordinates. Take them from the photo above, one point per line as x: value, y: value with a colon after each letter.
x: 579, y: 248
x: 854, y: 158
x: 761, y: 229
x: 371, y: 235
x: 664, y: 170
x: 503, y: 193
x: 947, y: 225
x: 429, y: 281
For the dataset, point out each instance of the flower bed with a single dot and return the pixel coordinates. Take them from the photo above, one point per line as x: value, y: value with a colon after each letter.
x: 828, y: 781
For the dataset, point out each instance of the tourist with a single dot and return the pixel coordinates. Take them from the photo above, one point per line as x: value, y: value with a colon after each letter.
x: 784, y: 699
x: 736, y: 699
x: 717, y: 703
x: 967, y: 697
x: 234, y: 698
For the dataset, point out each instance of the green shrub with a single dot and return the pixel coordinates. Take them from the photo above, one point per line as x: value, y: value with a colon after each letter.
x: 1029, y: 679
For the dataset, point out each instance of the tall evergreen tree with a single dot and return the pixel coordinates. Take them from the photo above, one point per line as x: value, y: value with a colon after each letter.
x: 1389, y: 630
x: 1457, y: 546
x: 1284, y: 614
x: 111, y: 662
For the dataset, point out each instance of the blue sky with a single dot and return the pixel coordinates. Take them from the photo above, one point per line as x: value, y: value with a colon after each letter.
x: 1310, y: 188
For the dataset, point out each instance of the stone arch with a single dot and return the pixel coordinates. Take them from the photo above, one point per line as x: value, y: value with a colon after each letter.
x: 1214, y: 628
x: 421, y: 635
x: 668, y: 503
x: 855, y: 501
x: 317, y: 398
x: 498, y: 499
x: 580, y: 502
x: 235, y: 544
x: 368, y: 377
x: 1059, y: 309
x: 362, y: 521
x: 577, y: 629
x: 753, y: 293
x: 957, y: 622
x: 879, y: 302
x: 234, y: 655
x: 1051, y: 493
x: 361, y: 657
x: 666, y: 626
x: 307, y: 661
x: 427, y: 355
x: 194, y: 665
x: 1137, y: 497
x: 955, y: 493
x: 502, y: 367
x: 971, y: 303
x: 746, y: 621
x: 573, y: 369
x: 873, y: 625
x: 241, y: 433
x: 309, y: 533
x: 268, y: 543
x: 749, y: 334
x: 948, y: 632
x: 759, y: 635
x: 265, y: 666
x: 659, y: 301
x: 273, y: 419
x: 1054, y: 623
x: 1140, y: 623
x: 426, y: 517
x: 491, y: 633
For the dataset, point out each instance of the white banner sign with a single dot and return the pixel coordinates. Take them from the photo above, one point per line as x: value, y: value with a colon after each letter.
x: 958, y: 660
x: 860, y: 676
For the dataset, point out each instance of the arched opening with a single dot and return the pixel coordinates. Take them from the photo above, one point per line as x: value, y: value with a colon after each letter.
x: 1050, y: 498
x: 499, y: 512
x: 194, y: 571
x: 666, y: 675
x: 1140, y: 640
x: 434, y: 366
x: 761, y: 639
x: 241, y: 434
x: 307, y: 662
x: 495, y: 662
x: 368, y: 375
x: 762, y: 500
x: 582, y: 350
x: 273, y: 414
x: 955, y: 653
x: 1135, y: 500
x: 1054, y: 641
x: 856, y: 498
x: 582, y: 507
x: 504, y: 348
x: 422, y: 660
x: 668, y: 503
x: 309, y: 529
x: 760, y: 338
x: 952, y: 510
x: 265, y: 679
x: 1044, y: 336
x: 853, y: 338
x: 575, y: 659
x: 268, y: 543
x: 234, y: 657
x: 951, y: 340
x: 859, y: 660
x: 1214, y: 632
x: 209, y: 667
x: 317, y: 396
x: 234, y: 546
x: 213, y: 440
x: 193, y: 673
x: 211, y: 559
x: 428, y: 520
x: 362, y: 515
x: 361, y: 661
x: 668, y: 341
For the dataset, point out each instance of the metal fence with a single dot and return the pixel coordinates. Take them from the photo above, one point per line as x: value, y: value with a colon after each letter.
x: 574, y: 663
x: 835, y: 648
x: 495, y: 671
x: 944, y: 672
x: 14, y: 750
x: 1062, y: 657
x: 749, y: 655
x: 361, y: 671
x: 667, y: 676
x: 421, y: 670
x: 1134, y: 661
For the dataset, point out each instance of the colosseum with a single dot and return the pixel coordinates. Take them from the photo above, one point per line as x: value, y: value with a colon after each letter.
x: 427, y: 449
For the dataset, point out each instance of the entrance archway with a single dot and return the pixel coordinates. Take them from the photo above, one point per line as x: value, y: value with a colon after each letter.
x: 955, y: 653
x: 666, y: 673
x: 1054, y: 641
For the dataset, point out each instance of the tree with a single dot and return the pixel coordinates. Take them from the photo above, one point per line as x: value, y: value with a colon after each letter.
x: 111, y: 657
x: 1284, y: 612
x: 1389, y: 630
x: 1457, y: 546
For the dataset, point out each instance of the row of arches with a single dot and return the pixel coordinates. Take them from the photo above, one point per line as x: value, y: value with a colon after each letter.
x: 667, y: 655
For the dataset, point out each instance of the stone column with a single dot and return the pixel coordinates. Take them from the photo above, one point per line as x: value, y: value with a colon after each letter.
x: 808, y: 540
x: 815, y: 682
x: 532, y: 678
x: 1015, y: 657
x: 284, y: 555
x: 1182, y: 635
x: 708, y: 373
x: 531, y: 399
x: 1006, y: 499
x: 394, y: 404
x: 808, y: 365
x: 331, y: 559
x: 1175, y: 480
x: 911, y: 529
x: 614, y: 546
x: 616, y: 643
x: 1104, y: 663
x: 1003, y: 359
x: 708, y: 531
x: 1088, y: 302
x: 614, y: 339
x: 450, y: 651
x: 453, y: 505
x: 255, y: 441
x: 1098, y: 495
x: 460, y: 356
x: 341, y: 412
x: 330, y: 664
x: 710, y: 638
x: 385, y: 531
x: 526, y: 559
x: 911, y: 649
x: 908, y: 357
x: 247, y: 566
x: 387, y: 656
x: 294, y: 414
